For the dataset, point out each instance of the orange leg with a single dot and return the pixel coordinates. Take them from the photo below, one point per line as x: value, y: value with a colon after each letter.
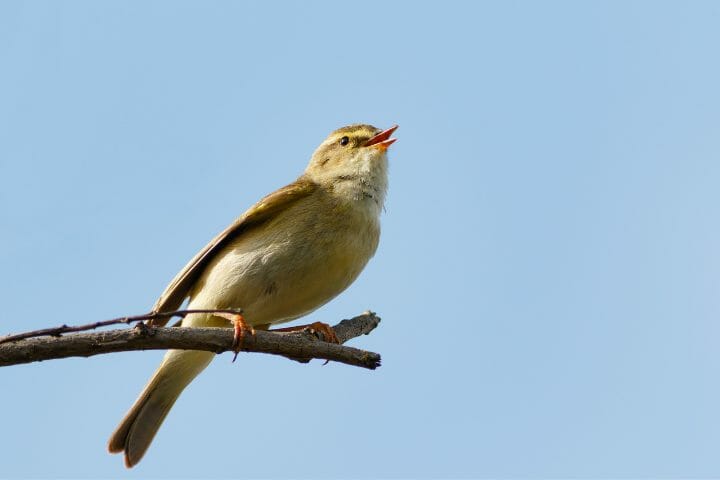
x: 326, y: 330
x: 241, y: 329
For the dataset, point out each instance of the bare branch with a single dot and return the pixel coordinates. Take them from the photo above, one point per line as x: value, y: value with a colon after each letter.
x: 57, y: 331
x: 301, y: 346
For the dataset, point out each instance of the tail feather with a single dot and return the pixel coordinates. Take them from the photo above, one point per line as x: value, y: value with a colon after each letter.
x: 139, y: 426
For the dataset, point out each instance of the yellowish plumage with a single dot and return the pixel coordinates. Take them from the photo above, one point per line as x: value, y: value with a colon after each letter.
x: 290, y: 253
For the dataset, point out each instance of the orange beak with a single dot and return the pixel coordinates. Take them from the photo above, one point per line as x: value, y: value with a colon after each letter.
x: 382, y: 140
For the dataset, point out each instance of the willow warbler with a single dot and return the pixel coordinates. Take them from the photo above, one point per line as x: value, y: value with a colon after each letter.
x: 290, y: 253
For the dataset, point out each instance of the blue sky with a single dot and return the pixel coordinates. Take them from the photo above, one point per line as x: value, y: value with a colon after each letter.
x: 549, y: 269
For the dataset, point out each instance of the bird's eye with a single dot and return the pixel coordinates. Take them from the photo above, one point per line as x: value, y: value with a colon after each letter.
x: 344, y: 141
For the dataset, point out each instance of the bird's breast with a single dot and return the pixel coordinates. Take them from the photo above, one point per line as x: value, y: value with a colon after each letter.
x: 291, y: 265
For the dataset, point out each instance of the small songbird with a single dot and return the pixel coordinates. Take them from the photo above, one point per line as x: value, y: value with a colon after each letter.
x: 289, y: 254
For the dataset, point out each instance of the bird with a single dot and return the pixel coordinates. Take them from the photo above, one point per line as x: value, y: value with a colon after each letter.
x: 287, y: 255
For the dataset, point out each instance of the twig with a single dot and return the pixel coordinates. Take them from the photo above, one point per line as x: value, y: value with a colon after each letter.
x: 300, y: 346
x: 57, y: 331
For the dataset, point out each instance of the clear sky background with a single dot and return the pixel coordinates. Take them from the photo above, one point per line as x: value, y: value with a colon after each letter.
x: 548, y: 275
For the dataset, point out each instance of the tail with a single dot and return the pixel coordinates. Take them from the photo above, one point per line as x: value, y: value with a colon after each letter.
x: 137, y: 430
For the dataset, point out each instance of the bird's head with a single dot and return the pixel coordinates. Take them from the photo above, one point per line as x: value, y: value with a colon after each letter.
x: 353, y: 151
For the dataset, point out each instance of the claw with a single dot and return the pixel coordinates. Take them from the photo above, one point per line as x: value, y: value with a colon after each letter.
x: 241, y: 328
x: 326, y: 330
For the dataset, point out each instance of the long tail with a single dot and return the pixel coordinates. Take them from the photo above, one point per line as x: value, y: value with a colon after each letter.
x: 137, y: 430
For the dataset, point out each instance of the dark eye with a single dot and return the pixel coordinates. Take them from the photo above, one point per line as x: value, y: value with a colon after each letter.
x: 344, y: 141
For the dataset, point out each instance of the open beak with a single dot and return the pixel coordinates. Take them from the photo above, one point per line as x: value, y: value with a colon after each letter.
x: 382, y: 140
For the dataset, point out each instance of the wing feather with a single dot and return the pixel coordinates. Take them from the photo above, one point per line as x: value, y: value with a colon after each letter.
x: 179, y: 288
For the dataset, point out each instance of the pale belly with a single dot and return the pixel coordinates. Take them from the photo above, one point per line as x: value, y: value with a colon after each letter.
x: 281, y: 278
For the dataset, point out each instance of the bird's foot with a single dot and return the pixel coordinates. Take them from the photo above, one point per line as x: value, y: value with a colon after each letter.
x: 326, y: 330
x: 241, y: 329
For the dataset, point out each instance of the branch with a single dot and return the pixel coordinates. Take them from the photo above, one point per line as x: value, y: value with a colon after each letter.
x: 57, y: 331
x: 301, y: 346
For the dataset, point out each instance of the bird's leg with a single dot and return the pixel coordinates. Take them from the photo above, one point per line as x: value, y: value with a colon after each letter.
x: 241, y: 328
x: 326, y: 330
